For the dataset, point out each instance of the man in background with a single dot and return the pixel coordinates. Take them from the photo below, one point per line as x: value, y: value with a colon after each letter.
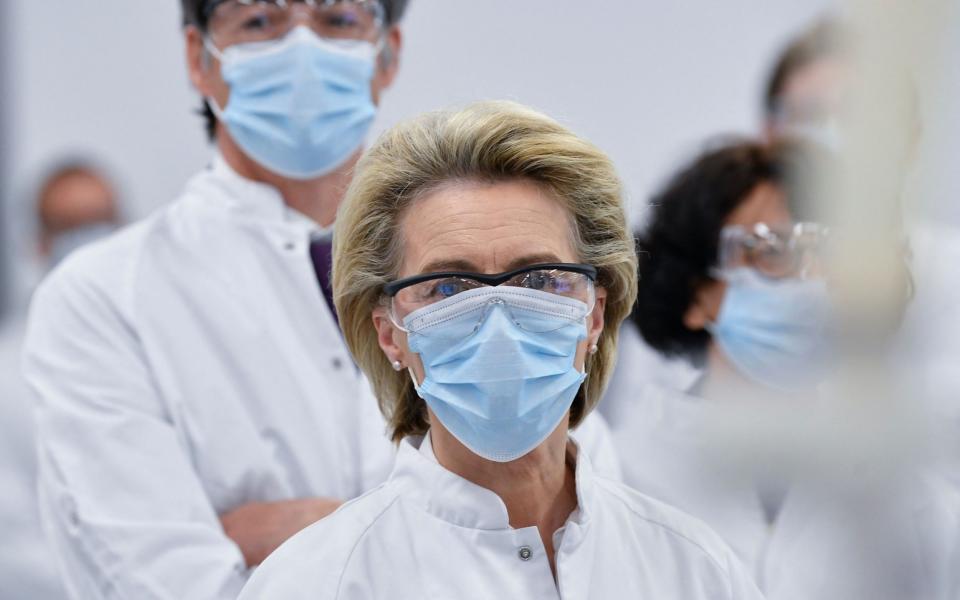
x: 196, y: 404
x: 75, y: 205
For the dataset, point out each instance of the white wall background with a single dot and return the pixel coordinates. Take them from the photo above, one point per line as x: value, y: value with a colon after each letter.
x: 646, y: 81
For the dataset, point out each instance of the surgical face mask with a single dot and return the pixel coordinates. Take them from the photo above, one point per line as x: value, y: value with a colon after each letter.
x: 499, y: 365
x: 773, y: 331
x: 68, y: 241
x: 301, y: 106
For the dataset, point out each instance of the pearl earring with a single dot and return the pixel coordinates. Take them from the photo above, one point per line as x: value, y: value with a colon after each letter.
x: 593, y: 349
x: 397, y: 365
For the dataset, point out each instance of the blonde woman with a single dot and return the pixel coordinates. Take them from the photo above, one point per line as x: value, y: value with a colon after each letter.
x: 482, y: 271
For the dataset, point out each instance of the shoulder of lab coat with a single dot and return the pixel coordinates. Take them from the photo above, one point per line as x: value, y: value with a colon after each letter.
x: 140, y: 511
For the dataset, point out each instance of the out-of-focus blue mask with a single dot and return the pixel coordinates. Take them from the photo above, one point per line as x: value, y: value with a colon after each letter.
x: 499, y: 365
x: 774, y: 330
x: 301, y: 106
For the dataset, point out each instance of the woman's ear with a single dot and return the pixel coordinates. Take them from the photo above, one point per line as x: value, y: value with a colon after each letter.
x: 387, y: 335
x: 705, y: 306
x: 595, y: 324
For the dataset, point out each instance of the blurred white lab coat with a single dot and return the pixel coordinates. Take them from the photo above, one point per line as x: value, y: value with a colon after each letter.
x: 837, y: 541
x: 26, y: 569
x: 184, y: 367
x: 428, y: 533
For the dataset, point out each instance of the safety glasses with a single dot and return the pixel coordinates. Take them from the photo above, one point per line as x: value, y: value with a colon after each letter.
x: 793, y: 251
x: 568, y: 281
x: 232, y: 22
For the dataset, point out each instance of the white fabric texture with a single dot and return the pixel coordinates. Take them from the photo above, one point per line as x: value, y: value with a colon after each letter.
x: 831, y: 540
x: 26, y: 568
x: 428, y: 533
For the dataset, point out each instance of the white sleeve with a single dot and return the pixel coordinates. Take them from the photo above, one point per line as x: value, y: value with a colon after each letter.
x: 593, y: 435
x: 122, y: 505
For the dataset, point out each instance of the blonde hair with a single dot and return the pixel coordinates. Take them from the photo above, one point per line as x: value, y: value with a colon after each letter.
x: 486, y: 142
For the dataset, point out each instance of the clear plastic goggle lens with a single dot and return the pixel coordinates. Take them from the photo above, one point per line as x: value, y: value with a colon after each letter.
x: 250, y: 21
x: 552, y: 281
x: 531, y: 309
x: 461, y: 316
x: 793, y: 252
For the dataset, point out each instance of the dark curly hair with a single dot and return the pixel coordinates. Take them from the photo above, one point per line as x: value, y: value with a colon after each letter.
x: 679, y: 245
x: 195, y: 14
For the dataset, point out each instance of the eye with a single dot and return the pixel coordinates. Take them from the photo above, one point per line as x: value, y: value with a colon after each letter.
x: 444, y: 288
x: 343, y: 20
x: 257, y: 23
x: 544, y: 281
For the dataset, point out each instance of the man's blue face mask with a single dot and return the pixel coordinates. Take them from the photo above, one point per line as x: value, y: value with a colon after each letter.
x: 499, y: 364
x: 301, y: 106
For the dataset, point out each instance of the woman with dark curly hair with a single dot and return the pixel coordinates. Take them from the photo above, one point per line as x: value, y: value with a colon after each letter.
x: 732, y: 282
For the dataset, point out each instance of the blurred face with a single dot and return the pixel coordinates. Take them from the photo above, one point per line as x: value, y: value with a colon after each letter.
x: 73, y: 202
x: 811, y: 100
x: 765, y: 204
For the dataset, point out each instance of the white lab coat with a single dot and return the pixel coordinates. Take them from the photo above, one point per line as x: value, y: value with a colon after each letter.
x: 184, y: 367
x: 823, y: 543
x: 26, y: 570
x: 428, y: 533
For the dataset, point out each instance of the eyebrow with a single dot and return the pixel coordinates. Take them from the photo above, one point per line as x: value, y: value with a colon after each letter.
x: 440, y: 266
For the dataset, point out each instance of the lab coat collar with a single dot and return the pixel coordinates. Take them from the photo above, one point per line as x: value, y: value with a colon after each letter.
x: 463, y: 503
x: 258, y: 201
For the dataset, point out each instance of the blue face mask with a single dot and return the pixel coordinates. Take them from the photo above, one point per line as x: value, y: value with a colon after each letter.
x: 774, y: 331
x: 301, y: 106
x: 499, y: 365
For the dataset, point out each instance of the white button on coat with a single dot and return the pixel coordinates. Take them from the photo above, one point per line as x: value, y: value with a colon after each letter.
x: 429, y: 534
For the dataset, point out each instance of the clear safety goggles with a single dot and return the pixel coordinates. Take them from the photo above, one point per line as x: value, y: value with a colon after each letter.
x: 534, y: 295
x: 792, y: 252
x: 232, y: 22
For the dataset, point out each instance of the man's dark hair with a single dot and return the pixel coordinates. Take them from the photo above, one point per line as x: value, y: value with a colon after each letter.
x: 195, y: 13
x: 825, y: 39
x: 678, y: 247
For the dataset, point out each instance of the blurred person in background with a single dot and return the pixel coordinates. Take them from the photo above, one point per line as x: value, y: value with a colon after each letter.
x: 196, y: 403
x: 805, y: 91
x: 76, y: 204
x: 805, y: 99
x: 732, y: 278
x: 802, y: 99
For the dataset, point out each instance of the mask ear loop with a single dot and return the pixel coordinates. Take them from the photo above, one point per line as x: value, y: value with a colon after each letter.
x: 211, y: 50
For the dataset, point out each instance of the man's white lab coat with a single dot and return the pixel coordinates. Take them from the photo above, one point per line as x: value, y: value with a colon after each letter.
x: 187, y: 366
x: 184, y: 367
x: 428, y: 533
